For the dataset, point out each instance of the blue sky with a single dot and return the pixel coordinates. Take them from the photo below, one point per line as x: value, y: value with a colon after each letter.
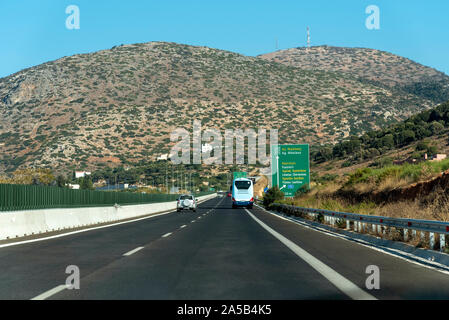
x: 33, y: 32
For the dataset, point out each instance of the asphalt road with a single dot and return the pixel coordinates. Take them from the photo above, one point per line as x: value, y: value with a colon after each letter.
x: 215, y: 253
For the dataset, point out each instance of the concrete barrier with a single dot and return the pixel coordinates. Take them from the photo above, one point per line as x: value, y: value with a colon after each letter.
x: 14, y: 224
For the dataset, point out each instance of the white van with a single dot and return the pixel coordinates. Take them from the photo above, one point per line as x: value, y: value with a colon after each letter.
x: 242, y: 193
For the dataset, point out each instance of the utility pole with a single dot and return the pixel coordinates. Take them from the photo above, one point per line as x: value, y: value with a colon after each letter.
x: 182, y: 177
x: 166, y: 178
x: 172, y: 178
x: 308, y: 38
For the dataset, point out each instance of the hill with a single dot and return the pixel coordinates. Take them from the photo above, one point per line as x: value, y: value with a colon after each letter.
x: 119, y: 106
x: 373, y: 66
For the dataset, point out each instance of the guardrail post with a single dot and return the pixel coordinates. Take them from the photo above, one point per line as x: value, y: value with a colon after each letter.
x: 383, y: 226
x: 431, y: 239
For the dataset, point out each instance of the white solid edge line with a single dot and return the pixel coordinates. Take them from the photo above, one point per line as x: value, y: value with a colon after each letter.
x: 167, y: 235
x: 50, y: 292
x: 133, y: 251
x: 396, y: 253
x: 343, y: 284
x: 85, y: 230
x: 80, y: 231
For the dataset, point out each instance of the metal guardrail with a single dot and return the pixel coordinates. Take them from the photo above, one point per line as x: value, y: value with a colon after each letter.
x: 361, y: 222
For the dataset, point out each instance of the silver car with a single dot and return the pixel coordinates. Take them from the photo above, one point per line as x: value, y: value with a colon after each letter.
x: 186, y: 202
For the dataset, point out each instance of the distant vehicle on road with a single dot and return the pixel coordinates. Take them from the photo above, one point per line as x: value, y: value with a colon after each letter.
x: 242, y: 193
x: 186, y: 202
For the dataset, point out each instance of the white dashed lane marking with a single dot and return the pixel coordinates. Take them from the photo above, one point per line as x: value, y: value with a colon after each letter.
x: 133, y: 251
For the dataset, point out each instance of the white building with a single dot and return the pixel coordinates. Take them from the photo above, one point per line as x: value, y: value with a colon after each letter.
x: 438, y: 157
x: 162, y: 157
x: 206, y: 148
x: 81, y: 174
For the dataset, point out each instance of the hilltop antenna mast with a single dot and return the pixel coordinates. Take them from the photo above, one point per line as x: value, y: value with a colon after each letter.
x: 308, y: 38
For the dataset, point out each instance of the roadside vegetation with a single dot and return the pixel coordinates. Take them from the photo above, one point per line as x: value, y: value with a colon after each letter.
x: 372, y: 191
x: 372, y: 144
x: 393, y: 176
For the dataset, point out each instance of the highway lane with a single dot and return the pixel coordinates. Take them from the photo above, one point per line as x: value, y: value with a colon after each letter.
x: 30, y: 269
x: 399, y: 279
x: 224, y: 255
x: 216, y: 253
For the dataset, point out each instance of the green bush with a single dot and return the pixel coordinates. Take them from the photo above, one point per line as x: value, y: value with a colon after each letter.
x: 273, y: 194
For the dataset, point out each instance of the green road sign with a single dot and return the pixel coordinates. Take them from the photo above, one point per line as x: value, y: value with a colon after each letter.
x: 239, y: 175
x: 290, y: 167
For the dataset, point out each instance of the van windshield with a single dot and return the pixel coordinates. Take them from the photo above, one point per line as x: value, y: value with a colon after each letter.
x: 242, y: 184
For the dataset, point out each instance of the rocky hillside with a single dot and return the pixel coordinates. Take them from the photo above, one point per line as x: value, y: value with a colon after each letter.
x: 120, y: 105
x: 374, y: 66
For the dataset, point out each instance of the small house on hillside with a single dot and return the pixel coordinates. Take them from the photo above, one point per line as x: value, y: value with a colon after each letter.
x: 82, y: 174
x: 436, y: 157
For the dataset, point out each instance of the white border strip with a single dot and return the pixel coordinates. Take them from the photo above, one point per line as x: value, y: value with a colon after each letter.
x: 50, y: 292
x: 396, y: 253
x: 80, y: 231
x: 343, y: 284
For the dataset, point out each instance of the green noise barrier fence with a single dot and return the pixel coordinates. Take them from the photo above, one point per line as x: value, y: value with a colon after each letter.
x: 30, y: 197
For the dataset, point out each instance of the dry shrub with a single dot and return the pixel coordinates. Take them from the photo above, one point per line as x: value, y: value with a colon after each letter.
x: 364, y: 187
x: 328, y: 189
x: 391, y: 183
